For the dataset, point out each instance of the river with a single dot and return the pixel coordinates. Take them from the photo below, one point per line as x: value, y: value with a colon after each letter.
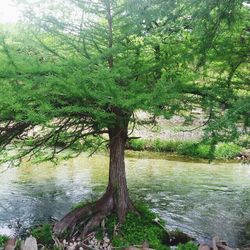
x: 200, y: 199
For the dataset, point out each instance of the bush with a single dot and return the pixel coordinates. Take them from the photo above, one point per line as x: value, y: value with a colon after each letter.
x: 165, y: 146
x: 137, y: 145
x: 189, y: 148
x: 227, y: 150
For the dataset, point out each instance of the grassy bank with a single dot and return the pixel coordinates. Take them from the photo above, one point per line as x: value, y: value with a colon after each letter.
x: 187, y: 148
x: 3, y: 240
x: 134, y: 232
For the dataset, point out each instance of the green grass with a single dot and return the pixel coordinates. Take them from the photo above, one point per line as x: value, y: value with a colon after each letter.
x: 188, y: 246
x: 187, y: 148
x: 3, y: 240
x: 154, y: 145
x: 227, y: 151
x: 137, y: 229
x: 43, y: 234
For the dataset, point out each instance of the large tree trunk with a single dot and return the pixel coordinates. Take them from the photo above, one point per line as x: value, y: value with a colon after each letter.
x: 115, y: 199
x: 117, y: 177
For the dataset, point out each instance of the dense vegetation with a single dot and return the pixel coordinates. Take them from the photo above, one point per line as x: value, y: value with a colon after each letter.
x: 188, y: 148
x: 136, y: 230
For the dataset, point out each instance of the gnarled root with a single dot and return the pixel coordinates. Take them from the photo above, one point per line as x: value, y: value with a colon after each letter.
x: 91, y: 216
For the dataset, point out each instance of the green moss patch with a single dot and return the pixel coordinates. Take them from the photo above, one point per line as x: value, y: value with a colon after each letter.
x: 3, y: 240
x: 43, y: 234
x: 136, y: 230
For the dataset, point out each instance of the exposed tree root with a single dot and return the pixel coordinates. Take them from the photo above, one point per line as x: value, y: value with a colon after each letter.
x: 90, y: 216
x: 71, y: 219
x: 94, y: 222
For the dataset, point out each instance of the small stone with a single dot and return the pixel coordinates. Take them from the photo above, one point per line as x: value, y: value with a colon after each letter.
x: 80, y: 248
x: 106, y: 239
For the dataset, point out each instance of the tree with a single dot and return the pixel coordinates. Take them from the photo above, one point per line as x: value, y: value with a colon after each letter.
x: 82, y: 68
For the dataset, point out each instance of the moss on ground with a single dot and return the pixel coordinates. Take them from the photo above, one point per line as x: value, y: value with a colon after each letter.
x: 43, y: 234
x: 140, y: 228
x: 3, y: 240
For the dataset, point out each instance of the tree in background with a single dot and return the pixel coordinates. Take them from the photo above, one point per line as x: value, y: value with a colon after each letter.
x: 80, y: 69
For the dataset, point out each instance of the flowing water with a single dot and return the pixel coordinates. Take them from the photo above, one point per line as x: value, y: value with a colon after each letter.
x: 198, y: 198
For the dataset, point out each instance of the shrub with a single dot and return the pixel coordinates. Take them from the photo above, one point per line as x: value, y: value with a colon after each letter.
x: 165, y: 146
x: 137, y: 145
x: 227, y: 150
x: 187, y: 148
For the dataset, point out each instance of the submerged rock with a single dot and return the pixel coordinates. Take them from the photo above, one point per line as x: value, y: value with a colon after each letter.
x: 176, y: 237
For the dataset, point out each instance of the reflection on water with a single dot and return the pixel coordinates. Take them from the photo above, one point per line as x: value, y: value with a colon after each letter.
x: 199, y: 198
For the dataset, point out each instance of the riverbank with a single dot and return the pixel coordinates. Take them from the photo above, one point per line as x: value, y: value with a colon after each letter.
x: 196, y: 149
x: 146, y: 231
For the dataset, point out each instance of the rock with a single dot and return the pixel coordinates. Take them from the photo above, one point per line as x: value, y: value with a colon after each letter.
x: 145, y: 245
x: 175, y: 237
x: 219, y: 244
x: 30, y: 244
x: 203, y: 247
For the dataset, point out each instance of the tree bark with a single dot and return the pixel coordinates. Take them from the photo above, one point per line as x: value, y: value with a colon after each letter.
x: 117, y: 176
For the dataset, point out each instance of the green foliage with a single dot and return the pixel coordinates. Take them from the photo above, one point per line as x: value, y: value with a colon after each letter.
x: 227, y: 151
x: 154, y: 145
x: 18, y: 245
x: 74, y: 84
x: 194, y: 150
x: 188, y: 148
x: 187, y: 246
x: 137, y: 229
x: 3, y: 240
x: 43, y: 234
